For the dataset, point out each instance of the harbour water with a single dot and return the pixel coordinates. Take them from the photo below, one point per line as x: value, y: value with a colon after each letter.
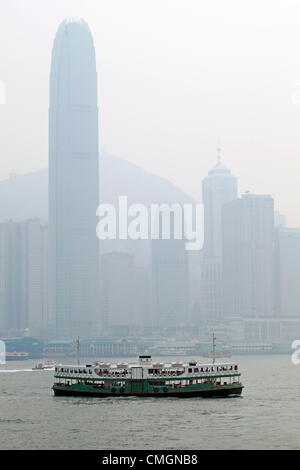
x: 265, y: 417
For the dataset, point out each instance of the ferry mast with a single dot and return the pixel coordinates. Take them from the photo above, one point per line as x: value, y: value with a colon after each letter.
x: 78, y: 351
x: 214, y: 349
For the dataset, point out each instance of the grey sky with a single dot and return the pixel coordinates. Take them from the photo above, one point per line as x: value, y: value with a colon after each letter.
x: 175, y: 78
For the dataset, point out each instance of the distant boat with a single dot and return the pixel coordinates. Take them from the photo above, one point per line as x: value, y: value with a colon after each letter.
x: 44, y: 365
x: 16, y: 356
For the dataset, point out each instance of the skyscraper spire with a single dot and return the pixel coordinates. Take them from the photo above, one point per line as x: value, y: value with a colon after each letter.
x: 219, y: 187
x: 219, y: 156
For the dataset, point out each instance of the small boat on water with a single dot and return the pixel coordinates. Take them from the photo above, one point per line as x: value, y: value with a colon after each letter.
x: 44, y: 365
x: 16, y: 356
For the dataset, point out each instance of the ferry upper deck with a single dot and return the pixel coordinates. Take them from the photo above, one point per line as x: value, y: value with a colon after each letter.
x: 146, y: 369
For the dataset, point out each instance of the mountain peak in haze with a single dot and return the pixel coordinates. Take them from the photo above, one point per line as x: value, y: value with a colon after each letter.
x: 26, y: 196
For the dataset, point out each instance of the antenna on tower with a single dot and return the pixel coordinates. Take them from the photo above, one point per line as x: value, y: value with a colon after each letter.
x: 219, y: 156
x: 214, y: 348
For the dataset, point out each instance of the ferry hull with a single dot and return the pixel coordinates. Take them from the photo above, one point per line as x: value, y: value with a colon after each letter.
x: 221, y: 392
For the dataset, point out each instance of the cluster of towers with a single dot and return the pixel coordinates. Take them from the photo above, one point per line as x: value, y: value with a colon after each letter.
x: 241, y: 263
x: 246, y: 272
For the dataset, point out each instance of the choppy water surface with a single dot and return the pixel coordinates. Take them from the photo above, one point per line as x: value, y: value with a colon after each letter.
x: 267, y: 415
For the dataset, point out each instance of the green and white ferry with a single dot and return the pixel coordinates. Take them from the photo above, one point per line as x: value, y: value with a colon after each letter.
x: 148, y: 379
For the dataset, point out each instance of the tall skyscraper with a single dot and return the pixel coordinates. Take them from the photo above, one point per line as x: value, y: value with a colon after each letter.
x: 118, y: 292
x: 279, y: 219
x: 23, y: 277
x: 73, y: 184
x: 218, y: 188
x: 170, y: 280
x: 249, y: 257
x: 288, y: 257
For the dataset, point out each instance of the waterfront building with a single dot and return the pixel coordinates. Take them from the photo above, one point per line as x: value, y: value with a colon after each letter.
x: 96, y: 347
x: 23, y: 278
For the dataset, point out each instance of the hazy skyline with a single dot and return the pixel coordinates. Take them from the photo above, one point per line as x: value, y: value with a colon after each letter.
x: 175, y: 79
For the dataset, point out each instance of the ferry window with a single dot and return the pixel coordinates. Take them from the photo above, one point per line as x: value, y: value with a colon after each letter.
x: 90, y: 371
x: 190, y: 371
x: 196, y: 369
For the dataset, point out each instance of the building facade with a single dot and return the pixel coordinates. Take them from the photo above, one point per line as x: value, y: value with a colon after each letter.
x: 288, y: 269
x: 118, y: 293
x: 248, y: 257
x: 218, y: 188
x: 73, y: 185
x: 23, y: 278
x: 170, y: 280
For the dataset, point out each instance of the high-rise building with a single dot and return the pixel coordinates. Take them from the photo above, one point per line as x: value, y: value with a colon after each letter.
x: 248, y: 257
x: 23, y: 277
x: 288, y: 265
x: 279, y: 219
x: 170, y: 280
x: 218, y: 188
x: 285, y: 325
x: 118, y: 292
x: 73, y: 184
